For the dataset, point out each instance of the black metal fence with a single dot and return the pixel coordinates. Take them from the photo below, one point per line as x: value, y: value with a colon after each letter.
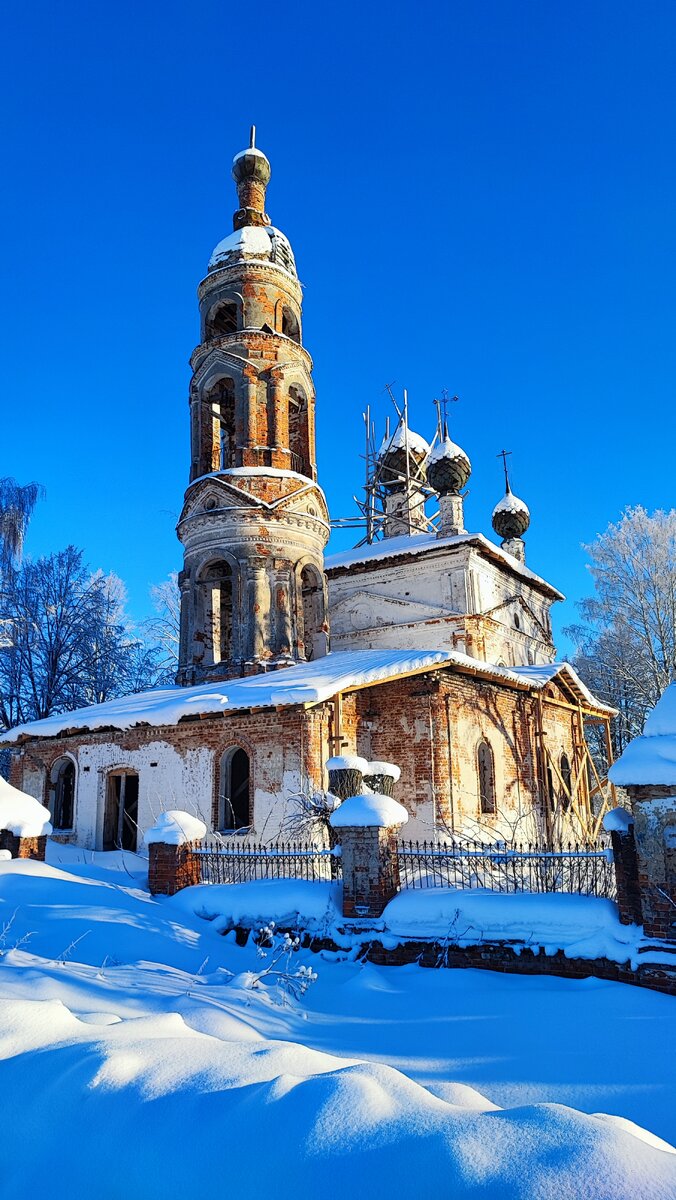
x: 240, y: 862
x: 588, y: 870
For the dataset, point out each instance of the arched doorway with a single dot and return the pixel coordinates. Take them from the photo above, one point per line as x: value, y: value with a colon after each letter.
x: 312, y: 597
x: 120, y: 823
x: 234, y: 800
x: 61, y: 800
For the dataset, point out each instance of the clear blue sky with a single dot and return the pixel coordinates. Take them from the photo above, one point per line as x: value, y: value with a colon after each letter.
x: 480, y: 196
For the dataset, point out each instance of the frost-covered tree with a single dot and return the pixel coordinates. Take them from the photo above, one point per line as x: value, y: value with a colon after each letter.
x: 626, y: 642
x: 67, y: 642
x: 164, y: 629
x: 17, y: 502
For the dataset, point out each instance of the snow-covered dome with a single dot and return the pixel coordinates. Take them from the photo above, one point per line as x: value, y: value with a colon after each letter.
x: 251, y: 164
x: 392, y: 456
x: 448, y: 467
x: 511, y: 516
x: 254, y: 243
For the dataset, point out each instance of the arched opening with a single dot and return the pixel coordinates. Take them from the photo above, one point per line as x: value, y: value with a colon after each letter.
x: 222, y: 320
x: 517, y: 622
x: 234, y: 803
x: 567, y: 781
x: 298, y: 432
x: 486, y: 772
x: 120, y: 823
x: 312, y: 598
x: 61, y: 801
x: 217, y: 607
x: 219, y: 450
x: 550, y: 788
x: 290, y: 326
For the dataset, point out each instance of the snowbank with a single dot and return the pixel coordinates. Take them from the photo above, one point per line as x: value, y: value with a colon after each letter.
x: 175, y: 828
x: 21, y: 814
x: 651, y: 758
x: 369, y: 810
x: 293, y: 903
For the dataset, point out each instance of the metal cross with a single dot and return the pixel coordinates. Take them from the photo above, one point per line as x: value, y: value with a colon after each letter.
x: 504, y: 455
x: 443, y: 404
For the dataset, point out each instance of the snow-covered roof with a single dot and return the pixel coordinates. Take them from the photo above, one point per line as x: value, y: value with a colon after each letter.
x: 419, y: 543
x: 511, y: 504
x: 543, y: 673
x: 306, y: 683
x: 399, y: 439
x: 651, y: 758
x: 262, y: 243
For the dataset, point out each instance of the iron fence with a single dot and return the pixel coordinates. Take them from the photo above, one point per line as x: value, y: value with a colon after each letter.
x: 585, y: 869
x: 241, y: 862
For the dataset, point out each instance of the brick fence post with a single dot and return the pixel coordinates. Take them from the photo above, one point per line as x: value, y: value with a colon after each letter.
x: 24, y: 847
x: 626, y: 874
x: 654, y: 809
x: 171, y: 868
x: 368, y: 827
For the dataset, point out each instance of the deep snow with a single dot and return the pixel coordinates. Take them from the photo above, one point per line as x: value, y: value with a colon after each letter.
x: 132, y: 1065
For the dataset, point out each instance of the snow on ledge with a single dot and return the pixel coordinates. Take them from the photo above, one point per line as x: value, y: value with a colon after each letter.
x: 21, y: 814
x: 347, y: 762
x: 384, y: 768
x: 360, y: 812
x: 175, y: 828
x: 618, y: 820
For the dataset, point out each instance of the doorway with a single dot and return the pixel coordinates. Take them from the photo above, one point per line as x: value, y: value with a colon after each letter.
x: 120, y: 824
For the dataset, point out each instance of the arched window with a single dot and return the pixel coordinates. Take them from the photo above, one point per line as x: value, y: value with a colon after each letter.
x: 517, y: 622
x: 290, y: 326
x: 62, y: 793
x: 567, y: 780
x: 219, y: 426
x: 312, y: 595
x: 217, y: 592
x: 222, y: 320
x: 234, y: 807
x: 298, y: 431
x: 486, y: 770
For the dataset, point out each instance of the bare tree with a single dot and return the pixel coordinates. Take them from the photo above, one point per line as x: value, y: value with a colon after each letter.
x: 164, y: 629
x: 626, y: 642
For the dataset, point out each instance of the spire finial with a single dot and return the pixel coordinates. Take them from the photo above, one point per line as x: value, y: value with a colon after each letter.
x: 504, y: 455
x: 252, y: 138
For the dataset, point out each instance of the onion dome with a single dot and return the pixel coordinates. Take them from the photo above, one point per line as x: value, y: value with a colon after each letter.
x: 254, y: 243
x: 511, y: 516
x: 392, y: 457
x: 448, y: 467
x: 251, y: 164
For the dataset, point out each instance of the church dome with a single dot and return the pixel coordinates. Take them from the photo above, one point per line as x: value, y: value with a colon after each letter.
x: 251, y: 164
x: 254, y: 243
x: 392, y: 456
x: 448, y: 468
x: 511, y: 516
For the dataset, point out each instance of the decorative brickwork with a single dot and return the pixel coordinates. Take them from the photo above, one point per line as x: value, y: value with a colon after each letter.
x: 23, y: 847
x: 171, y: 868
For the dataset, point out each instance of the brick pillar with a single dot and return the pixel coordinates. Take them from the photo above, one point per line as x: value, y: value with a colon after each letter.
x: 370, y: 869
x: 23, y: 847
x: 171, y: 868
x: 626, y: 874
x: 654, y: 809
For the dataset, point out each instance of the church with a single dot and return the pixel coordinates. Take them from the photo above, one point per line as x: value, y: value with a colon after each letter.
x: 427, y: 646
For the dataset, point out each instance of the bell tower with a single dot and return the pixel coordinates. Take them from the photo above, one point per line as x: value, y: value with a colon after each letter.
x: 254, y: 522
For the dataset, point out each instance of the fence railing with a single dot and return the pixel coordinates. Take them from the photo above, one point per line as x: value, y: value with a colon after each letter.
x: 588, y: 870
x: 241, y: 862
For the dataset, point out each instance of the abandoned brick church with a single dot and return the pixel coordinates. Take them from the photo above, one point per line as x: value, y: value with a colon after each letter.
x: 428, y: 647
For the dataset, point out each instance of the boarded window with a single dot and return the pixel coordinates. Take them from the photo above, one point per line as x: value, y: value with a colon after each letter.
x: 486, y: 769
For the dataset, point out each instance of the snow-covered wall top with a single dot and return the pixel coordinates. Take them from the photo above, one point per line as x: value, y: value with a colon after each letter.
x: 306, y: 683
x: 420, y: 542
x: 651, y: 758
x: 21, y: 814
x: 368, y: 811
x: 175, y: 828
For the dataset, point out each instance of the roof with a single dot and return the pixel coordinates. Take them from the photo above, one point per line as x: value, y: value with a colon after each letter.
x: 399, y: 547
x: 256, y: 243
x: 651, y: 758
x: 304, y: 684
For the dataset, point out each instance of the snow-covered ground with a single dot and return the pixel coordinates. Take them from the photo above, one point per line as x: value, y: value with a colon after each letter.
x: 135, y: 1061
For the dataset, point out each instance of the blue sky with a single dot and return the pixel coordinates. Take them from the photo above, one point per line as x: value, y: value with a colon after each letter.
x: 480, y: 197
